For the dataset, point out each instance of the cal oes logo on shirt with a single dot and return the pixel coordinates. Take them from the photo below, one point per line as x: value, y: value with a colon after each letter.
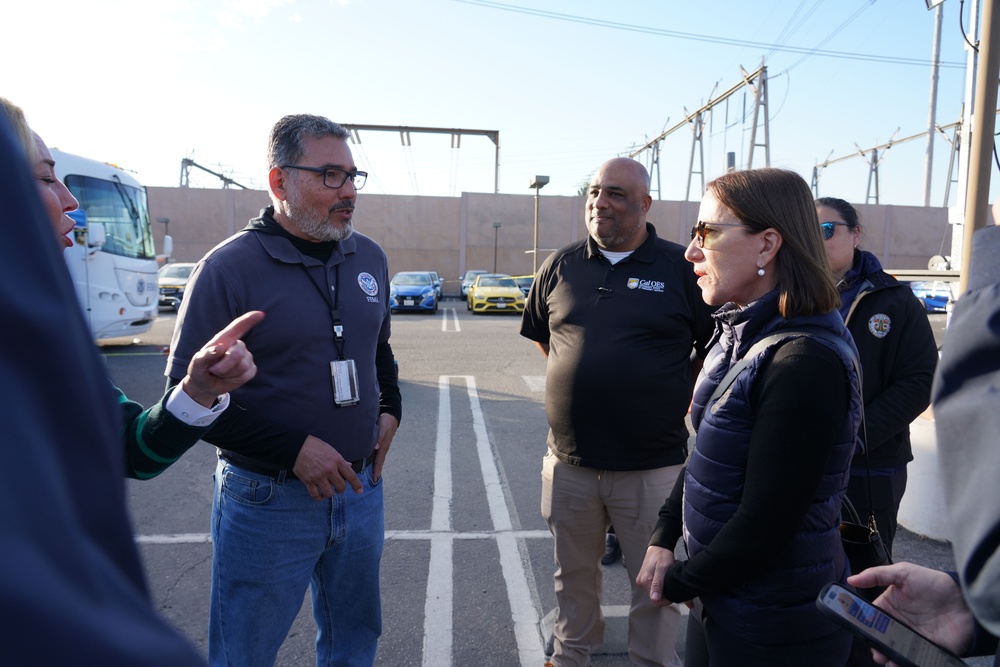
x: 368, y: 283
x: 646, y: 285
x: 879, y: 325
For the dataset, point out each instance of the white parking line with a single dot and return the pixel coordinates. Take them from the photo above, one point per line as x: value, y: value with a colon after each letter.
x: 206, y: 538
x: 179, y: 538
x: 523, y: 610
x: 445, y: 320
x: 438, y: 634
x: 439, y: 603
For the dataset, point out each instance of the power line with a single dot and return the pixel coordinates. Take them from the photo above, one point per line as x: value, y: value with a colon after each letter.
x: 833, y: 34
x: 870, y: 57
x: 792, y: 26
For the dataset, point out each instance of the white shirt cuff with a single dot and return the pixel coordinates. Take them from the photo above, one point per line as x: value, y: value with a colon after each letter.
x: 193, y: 413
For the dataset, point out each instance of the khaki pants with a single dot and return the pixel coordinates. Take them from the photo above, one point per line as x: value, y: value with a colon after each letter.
x: 578, y: 505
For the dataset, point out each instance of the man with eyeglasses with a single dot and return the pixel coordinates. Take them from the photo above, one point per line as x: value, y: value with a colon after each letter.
x: 619, y: 316
x: 325, y: 402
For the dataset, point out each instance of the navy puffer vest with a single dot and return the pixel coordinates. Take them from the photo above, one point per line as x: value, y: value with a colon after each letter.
x: 780, y: 604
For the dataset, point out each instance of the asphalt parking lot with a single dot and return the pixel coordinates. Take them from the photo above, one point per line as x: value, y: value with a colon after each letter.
x: 467, y: 570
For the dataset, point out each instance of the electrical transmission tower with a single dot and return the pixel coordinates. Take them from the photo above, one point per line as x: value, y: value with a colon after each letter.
x: 187, y: 164
x: 757, y: 83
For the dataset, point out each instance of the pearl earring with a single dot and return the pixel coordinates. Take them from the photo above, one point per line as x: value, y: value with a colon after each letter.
x: 760, y: 271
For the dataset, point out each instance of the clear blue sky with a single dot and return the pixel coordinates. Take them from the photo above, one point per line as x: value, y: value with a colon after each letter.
x: 567, y: 83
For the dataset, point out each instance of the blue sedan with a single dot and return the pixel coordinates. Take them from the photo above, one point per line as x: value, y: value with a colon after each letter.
x: 934, y: 294
x: 413, y: 290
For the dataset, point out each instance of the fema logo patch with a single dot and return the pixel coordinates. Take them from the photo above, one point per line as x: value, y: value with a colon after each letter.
x: 879, y: 325
x: 368, y: 283
x: 645, y: 285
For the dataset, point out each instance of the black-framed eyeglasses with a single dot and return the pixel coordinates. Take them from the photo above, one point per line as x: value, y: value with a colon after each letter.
x: 703, y: 231
x: 333, y: 177
x: 828, y: 228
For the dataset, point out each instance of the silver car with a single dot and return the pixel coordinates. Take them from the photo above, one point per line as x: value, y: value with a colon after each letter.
x: 470, y: 277
x: 172, y: 279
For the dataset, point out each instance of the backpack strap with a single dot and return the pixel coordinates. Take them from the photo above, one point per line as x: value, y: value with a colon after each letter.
x: 775, y: 339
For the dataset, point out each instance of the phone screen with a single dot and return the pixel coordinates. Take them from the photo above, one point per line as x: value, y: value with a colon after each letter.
x: 890, y: 636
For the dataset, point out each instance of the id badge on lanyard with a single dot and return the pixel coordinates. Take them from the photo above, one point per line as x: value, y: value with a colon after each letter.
x: 345, y: 382
x: 343, y: 372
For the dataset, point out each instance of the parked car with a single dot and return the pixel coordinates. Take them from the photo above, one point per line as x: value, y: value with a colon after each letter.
x: 933, y: 293
x: 524, y: 282
x: 437, y: 283
x: 412, y: 290
x: 172, y: 279
x: 470, y: 275
x: 495, y: 291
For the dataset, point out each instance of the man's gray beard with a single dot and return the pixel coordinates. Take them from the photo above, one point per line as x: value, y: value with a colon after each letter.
x: 322, y: 229
x: 315, y: 226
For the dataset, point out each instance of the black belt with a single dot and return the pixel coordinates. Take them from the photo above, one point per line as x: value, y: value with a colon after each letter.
x: 285, y: 473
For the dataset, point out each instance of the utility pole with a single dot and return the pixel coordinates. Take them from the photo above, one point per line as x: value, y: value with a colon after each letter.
x: 983, y: 125
x: 932, y: 114
x: 496, y: 237
x: 538, y: 182
x: 957, y: 213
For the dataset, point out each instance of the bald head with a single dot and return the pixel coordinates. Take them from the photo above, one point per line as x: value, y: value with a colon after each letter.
x: 617, y: 202
x: 629, y: 169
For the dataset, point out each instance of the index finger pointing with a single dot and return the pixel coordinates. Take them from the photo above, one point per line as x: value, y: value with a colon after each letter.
x: 238, y: 328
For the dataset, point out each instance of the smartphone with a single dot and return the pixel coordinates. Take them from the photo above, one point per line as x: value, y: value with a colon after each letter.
x: 891, y: 637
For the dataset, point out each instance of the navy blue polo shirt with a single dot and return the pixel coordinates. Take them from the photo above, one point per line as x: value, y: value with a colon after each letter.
x: 619, y: 379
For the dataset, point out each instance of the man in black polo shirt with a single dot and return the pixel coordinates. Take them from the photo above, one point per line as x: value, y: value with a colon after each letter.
x: 618, y: 317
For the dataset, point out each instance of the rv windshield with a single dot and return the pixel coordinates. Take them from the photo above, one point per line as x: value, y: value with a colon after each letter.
x: 121, y: 209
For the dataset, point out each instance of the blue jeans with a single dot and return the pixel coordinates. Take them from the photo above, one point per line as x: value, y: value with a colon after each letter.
x: 271, y: 542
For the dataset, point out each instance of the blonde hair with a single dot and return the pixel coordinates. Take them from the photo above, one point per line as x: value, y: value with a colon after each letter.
x: 22, y: 131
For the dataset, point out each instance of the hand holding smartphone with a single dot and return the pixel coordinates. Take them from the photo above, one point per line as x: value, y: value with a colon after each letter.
x: 888, y: 635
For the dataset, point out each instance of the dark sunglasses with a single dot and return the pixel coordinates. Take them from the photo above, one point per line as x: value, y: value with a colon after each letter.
x: 828, y: 228
x: 703, y: 231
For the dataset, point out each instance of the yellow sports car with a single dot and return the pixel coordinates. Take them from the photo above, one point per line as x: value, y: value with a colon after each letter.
x: 495, y: 292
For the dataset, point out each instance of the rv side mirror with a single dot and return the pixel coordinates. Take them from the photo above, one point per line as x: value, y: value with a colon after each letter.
x: 168, y: 245
x: 95, y: 234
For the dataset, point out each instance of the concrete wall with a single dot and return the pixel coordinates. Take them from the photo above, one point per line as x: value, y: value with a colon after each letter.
x: 452, y: 234
x: 201, y: 218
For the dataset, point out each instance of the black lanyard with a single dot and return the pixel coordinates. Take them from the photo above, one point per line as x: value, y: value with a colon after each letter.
x: 338, y: 326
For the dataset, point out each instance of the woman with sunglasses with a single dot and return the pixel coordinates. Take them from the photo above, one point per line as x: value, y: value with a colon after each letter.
x: 898, y: 357
x: 760, y: 498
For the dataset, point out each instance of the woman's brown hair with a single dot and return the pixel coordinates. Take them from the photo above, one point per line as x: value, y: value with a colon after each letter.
x: 779, y: 199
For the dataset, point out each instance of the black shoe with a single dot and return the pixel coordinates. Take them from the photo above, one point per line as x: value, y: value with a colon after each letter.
x: 612, y: 550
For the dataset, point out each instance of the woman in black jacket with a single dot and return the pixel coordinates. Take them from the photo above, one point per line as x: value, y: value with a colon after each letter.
x: 898, y: 356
